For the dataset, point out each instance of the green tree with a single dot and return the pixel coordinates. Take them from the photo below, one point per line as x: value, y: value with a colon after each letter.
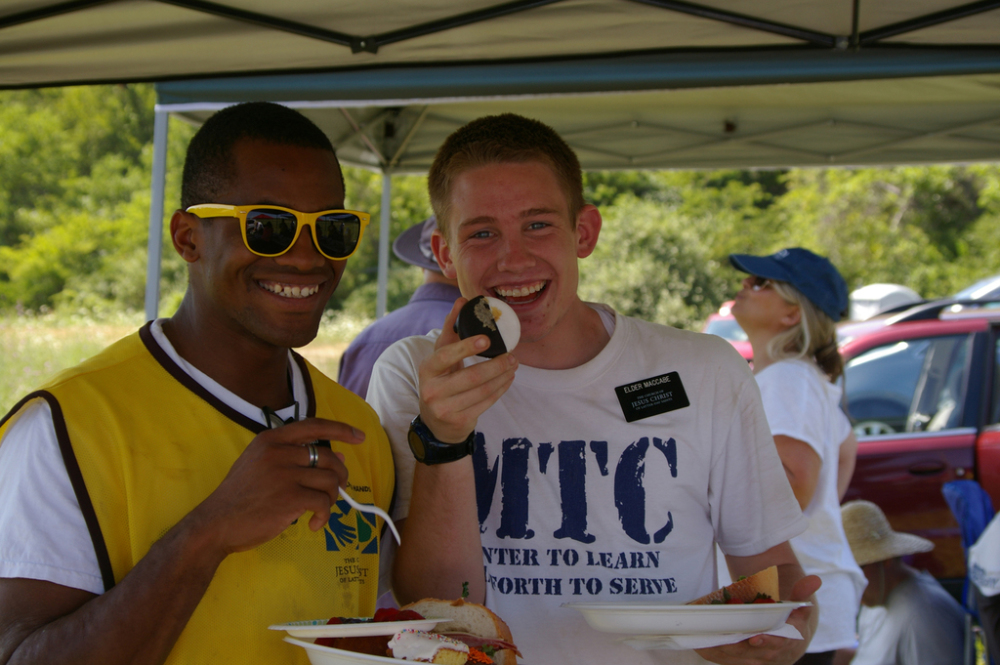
x: 74, y: 207
x: 730, y: 210
x: 904, y: 225
x: 50, y: 139
x: 651, y: 263
x: 82, y: 230
x: 410, y: 204
x: 603, y: 188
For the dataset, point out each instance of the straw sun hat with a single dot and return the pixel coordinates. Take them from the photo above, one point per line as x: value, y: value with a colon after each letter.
x: 872, y: 539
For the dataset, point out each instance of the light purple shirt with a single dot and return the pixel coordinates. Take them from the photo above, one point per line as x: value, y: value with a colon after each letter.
x: 427, y: 309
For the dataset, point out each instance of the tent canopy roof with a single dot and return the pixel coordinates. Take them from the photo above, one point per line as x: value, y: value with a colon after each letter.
x: 58, y: 42
x: 630, y: 83
x: 681, y: 114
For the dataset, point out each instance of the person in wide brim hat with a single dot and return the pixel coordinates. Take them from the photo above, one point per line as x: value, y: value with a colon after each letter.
x: 871, y: 537
x: 414, y: 245
x: 917, y: 620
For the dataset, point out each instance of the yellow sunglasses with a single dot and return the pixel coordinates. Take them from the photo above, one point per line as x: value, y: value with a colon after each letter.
x: 273, y: 230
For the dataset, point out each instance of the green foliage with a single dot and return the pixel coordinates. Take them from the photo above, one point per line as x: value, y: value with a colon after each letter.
x: 75, y: 168
x: 81, y: 218
x: 730, y: 209
x: 410, y: 205
x: 603, y: 188
x: 650, y: 263
x: 51, y: 139
x: 906, y: 225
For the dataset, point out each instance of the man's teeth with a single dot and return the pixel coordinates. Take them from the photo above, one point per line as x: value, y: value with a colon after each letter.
x: 519, y: 292
x: 289, y: 291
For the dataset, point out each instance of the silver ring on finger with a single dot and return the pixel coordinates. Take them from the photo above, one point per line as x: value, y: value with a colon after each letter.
x: 313, y: 455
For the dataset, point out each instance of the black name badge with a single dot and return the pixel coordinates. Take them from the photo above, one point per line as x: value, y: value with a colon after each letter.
x: 651, y: 397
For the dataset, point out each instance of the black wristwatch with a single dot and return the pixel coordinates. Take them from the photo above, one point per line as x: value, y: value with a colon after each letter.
x: 428, y: 450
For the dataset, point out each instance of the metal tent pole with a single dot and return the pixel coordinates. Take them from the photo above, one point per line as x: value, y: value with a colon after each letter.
x: 154, y: 251
x: 383, y: 245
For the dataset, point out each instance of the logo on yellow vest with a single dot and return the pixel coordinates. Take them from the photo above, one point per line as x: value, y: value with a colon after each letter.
x: 349, y: 529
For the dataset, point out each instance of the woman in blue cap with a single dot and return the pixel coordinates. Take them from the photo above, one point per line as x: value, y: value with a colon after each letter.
x: 788, y: 307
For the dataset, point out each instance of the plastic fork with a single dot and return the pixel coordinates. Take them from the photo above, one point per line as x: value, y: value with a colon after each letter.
x: 374, y: 510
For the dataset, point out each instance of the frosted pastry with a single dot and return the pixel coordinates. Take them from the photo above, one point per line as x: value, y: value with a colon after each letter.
x: 416, y: 645
x: 491, y: 317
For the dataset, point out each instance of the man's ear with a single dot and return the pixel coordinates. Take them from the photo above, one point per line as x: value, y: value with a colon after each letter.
x: 185, y: 232
x: 588, y: 228
x: 443, y: 254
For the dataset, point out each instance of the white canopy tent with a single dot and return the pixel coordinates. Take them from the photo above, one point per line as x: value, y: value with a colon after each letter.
x: 629, y: 83
x: 62, y: 42
x: 889, y: 121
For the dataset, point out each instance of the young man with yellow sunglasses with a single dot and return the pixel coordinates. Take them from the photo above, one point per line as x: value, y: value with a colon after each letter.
x: 151, y: 510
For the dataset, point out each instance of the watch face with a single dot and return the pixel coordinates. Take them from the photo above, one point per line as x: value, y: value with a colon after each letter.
x: 417, y: 445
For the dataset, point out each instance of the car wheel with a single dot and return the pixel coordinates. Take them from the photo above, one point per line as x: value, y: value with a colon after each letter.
x: 872, y: 428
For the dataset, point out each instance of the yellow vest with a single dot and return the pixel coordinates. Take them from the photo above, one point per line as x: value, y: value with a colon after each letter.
x: 144, y: 444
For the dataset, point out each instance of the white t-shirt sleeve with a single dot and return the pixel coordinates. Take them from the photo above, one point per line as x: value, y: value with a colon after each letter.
x: 753, y: 507
x: 395, y: 396
x: 43, y: 535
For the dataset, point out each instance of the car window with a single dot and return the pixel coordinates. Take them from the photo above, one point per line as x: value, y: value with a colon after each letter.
x: 981, y: 290
x: 914, y: 385
x: 727, y: 329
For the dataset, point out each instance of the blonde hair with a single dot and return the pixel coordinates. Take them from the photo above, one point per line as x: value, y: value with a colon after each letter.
x: 814, y: 336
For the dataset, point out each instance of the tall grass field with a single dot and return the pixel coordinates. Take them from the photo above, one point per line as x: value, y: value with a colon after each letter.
x: 35, y: 348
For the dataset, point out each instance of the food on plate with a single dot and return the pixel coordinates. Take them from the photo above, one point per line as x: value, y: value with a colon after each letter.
x: 424, y: 647
x: 482, y: 636
x: 491, y: 317
x: 484, y: 632
x: 759, y: 588
x: 373, y: 645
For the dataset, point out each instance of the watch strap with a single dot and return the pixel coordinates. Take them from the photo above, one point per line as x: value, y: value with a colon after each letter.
x: 427, y: 449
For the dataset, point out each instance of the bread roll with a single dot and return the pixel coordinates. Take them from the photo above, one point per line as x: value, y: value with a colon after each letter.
x: 469, y: 619
x: 745, y: 590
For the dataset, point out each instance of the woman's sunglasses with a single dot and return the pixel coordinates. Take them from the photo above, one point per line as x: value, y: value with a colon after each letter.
x: 759, y: 283
x: 273, y: 230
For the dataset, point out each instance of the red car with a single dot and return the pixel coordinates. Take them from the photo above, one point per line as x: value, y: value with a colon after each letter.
x: 923, y: 393
x: 724, y: 325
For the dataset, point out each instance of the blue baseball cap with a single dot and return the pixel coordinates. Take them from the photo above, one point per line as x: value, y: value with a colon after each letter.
x: 813, y: 275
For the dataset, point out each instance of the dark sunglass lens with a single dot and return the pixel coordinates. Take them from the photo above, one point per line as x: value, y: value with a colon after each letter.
x: 338, y: 234
x: 270, y: 231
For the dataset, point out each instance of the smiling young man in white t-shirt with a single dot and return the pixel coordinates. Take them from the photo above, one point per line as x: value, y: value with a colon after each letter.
x: 602, y: 459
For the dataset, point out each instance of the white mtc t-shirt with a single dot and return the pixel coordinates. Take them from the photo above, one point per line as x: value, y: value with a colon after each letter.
x: 43, y: 535
x: 577, y: 504
x: 801, y: 403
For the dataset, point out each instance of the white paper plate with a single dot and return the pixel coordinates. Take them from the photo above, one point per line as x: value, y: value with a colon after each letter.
x: 661, y: 619
x: 319, y: 628
x: 320, y: 655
